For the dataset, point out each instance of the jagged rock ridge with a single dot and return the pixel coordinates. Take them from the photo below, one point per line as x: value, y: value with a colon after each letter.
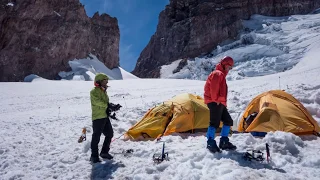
x: 41, y: 36
x: 189, y: 28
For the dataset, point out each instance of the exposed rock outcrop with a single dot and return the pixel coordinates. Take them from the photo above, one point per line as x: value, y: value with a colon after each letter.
x: 189, y: 28
x: 41, y: 36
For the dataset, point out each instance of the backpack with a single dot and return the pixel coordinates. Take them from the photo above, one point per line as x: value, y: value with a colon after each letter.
x: 248, y: 120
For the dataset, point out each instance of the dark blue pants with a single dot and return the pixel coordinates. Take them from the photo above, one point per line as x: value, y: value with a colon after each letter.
x: 101, y: 126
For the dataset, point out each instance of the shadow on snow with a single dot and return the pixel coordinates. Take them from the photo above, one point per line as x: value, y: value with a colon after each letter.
x: 105, y: 169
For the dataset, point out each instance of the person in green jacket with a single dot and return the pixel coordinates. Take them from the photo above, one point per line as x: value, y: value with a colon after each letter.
x: 100, y: 121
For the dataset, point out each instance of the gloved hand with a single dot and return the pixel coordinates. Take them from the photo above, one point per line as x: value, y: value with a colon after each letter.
x: 112, y: 108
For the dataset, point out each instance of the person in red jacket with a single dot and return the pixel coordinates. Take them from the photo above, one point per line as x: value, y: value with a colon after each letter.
x: 215, y: 96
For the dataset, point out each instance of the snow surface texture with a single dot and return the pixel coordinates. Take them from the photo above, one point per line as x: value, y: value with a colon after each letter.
x: 42, y: 121
x: 268, y: 45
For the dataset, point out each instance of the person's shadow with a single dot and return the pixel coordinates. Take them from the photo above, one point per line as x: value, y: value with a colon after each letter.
x: 104, y: 169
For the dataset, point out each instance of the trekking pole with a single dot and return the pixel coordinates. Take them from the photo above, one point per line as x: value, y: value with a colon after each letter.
x: 142, y: 100
x: 279, y: 84
x: 59, y: 113
x: 163, y: 156
x: 125, y: 102
x: 268, y: 152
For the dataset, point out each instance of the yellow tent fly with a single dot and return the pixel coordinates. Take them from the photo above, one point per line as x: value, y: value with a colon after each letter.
x: 182, y: 113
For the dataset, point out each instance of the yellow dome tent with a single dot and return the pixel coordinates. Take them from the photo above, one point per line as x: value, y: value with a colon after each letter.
x: 182, y: 113
x: 277, y: 110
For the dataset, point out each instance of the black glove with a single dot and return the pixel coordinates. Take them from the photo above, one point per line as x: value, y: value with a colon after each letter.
x: 113, y: 116
x: 108, y: 111
x: 112, y: 108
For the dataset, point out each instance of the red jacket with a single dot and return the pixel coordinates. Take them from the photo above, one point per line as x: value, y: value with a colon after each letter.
x: 216, y: 88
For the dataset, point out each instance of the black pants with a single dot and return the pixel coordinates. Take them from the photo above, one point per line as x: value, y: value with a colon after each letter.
x: 219, y: 113
x: 101, y: 126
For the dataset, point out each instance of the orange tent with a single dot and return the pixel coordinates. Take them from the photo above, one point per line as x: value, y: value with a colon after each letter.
x: 277, y: 111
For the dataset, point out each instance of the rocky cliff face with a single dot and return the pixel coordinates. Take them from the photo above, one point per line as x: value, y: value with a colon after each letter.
x: 189, y: 28
x: 41, y: 36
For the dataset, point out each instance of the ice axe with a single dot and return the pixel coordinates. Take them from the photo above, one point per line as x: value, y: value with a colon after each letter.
x: 158, y: 158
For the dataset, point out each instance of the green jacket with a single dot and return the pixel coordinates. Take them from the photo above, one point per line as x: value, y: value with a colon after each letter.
x: 99, y: 103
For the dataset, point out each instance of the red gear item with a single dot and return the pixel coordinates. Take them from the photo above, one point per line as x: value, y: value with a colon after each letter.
x: 216, y: 89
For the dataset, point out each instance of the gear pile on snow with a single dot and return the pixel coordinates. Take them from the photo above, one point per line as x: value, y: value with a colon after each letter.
x: 83, y: 136
x: 257, y: 155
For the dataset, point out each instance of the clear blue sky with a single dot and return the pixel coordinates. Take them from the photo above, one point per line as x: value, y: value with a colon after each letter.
x: 137, y: 20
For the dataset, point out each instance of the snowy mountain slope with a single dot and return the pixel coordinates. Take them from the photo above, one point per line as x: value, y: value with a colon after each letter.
x: 85, y: 70
x: 267, y: 46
